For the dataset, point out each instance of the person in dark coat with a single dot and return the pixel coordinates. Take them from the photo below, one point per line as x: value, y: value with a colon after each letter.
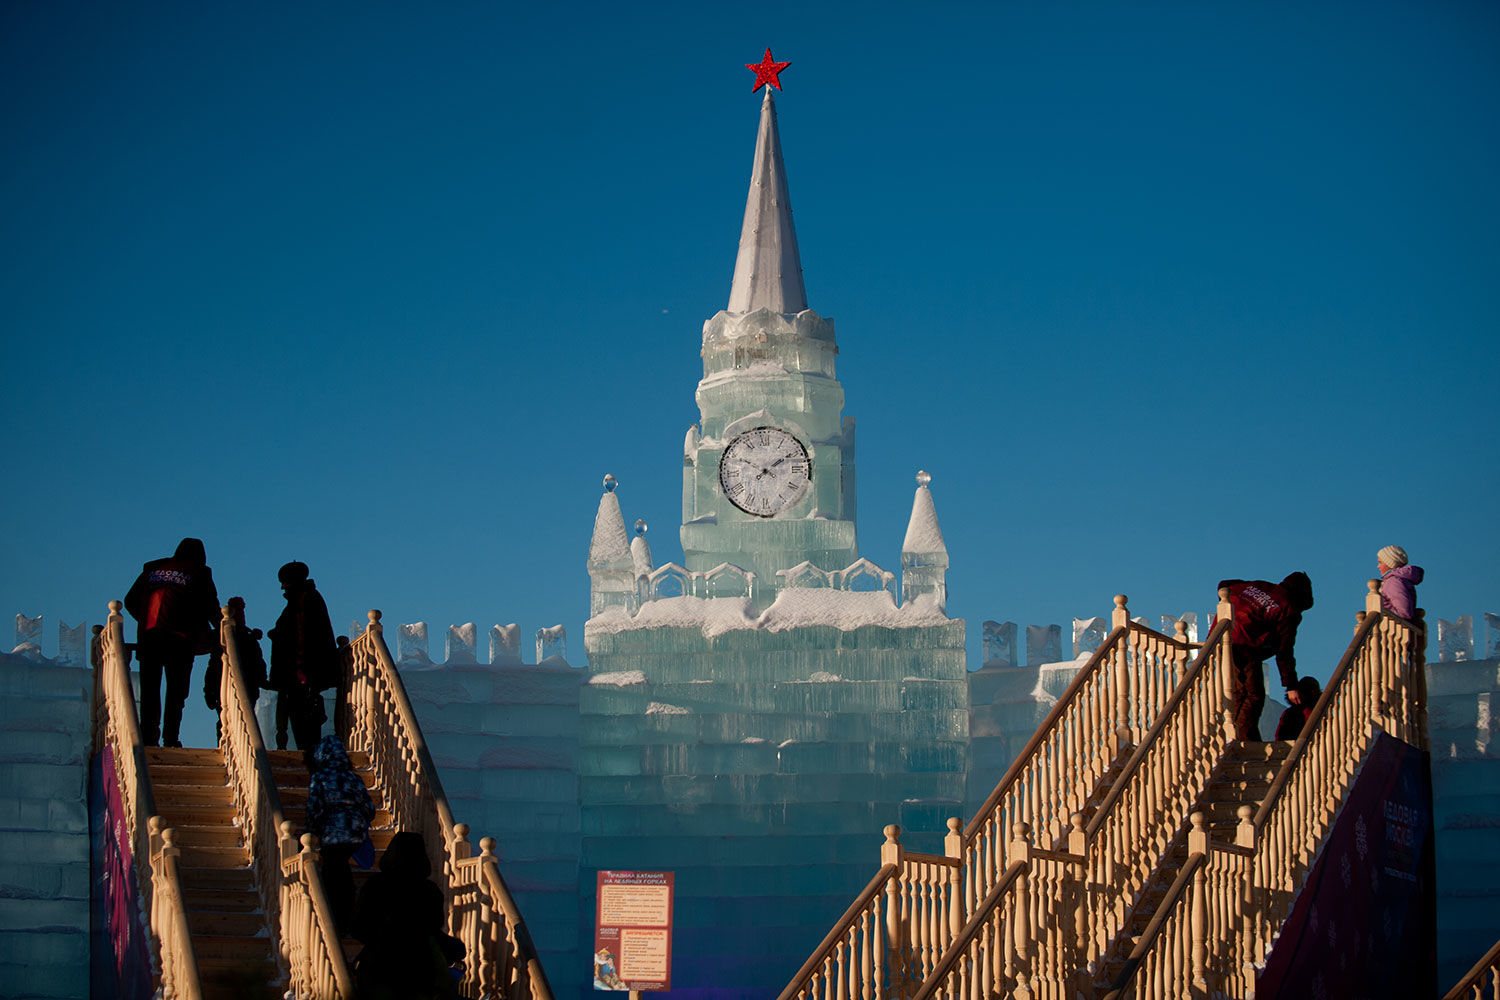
x: 338, y: 812
x: 304, y: 660
x: 176, y: 608
x: 1289, y: 726
x: 252, y: 662
x: 1266, y: 616
x: 399, y: 919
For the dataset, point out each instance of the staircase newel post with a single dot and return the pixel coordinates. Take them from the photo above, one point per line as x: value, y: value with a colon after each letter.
x: 1372, y: 599
x: 1020, y: 851
x: 1419, y: 677
x: 1225, y: 613
x: 895, y: 925
x: 953, y: 847
x: 461, y: 849
x: 1120, y: 618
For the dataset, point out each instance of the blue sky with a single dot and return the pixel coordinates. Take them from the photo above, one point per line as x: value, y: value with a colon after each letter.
x: 1158, y: 293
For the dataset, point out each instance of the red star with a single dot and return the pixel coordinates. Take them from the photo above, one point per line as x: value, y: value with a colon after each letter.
x: 766, y: 71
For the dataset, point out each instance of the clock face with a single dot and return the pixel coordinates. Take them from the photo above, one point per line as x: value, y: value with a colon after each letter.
x: 765, y: 471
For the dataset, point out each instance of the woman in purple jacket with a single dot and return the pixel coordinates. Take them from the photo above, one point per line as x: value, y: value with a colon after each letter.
x: 1398, y: 582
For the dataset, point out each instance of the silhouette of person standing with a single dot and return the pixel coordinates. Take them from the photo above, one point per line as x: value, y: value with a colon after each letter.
x: 304, y: 660
x: 176, y: 609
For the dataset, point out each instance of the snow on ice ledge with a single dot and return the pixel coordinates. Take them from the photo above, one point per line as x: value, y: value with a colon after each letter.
x: 795, y: 607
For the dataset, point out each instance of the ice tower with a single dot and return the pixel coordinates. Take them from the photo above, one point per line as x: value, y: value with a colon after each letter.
x: 755, y: 716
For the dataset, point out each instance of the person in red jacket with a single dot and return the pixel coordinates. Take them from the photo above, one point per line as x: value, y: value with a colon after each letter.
x: 176, y: 608
x: 1266, y: 616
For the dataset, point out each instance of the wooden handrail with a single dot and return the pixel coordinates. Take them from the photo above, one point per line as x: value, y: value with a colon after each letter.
x: 415, y: 798
x: 1321, y: 709
x: 1120, y: 691
x: 1153, y: 929
x: 1163, y: 719
x: 154, y: 856
x: 955, y: 951
x: 304, y: 937
x: 1468, y: 988
x: 840, y: 930
x: 1047, y: 728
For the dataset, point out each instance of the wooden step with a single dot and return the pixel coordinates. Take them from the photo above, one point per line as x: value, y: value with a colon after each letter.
x: 220, y: 858
x: 237, y: 979
x: 230, y: 948
x: 191, y: 796
x: 184, y: 755
x: 225, y: 900
x: 186, y: 835
x: 225, y: 923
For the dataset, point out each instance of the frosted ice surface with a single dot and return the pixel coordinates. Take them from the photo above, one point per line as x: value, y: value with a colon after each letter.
x: 551, y: 643
x: 662, y: 708
x: 28, y: 630
x: 1000, y: 644
x: 1088, y: 634
x: 640, y: 551
x: 505, y: 644
x: 1043, y: 644
x: 803, y: 607
x: 1456, y: 638
x: 460, y: 644
x: 620, y: 678
x: 1492, y: 621
x: 824, y: 677
x: 357, y: 628
x: 609, y: 543
x: 411, y: 643
x: 72, y: 644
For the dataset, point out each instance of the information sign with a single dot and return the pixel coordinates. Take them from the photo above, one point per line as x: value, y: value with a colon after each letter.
x: 633, y: 931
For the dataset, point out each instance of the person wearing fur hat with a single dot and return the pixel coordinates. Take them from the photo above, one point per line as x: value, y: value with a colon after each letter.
x: 1266, y: 616
x: 1398, y: 582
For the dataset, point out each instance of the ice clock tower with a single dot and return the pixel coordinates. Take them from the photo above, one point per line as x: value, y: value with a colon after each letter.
x: 768, y: 474
x: 754, y: 716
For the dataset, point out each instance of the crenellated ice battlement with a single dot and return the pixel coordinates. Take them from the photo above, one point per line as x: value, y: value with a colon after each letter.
x: 72, y: 642
x: 460, y: 645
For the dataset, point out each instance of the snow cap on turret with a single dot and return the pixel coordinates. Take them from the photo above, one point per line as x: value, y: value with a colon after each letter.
x: 610, y: 543
x: 611, y: 576
x: 768, y: 270
x: 924, y: 556
x: 640, y: 551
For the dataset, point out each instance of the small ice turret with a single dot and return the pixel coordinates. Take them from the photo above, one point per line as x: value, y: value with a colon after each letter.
x: 611, y: 571
x: 640, y: 557
x: 924, y: 557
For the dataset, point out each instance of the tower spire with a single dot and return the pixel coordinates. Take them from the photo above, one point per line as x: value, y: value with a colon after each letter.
x: 768, y: 270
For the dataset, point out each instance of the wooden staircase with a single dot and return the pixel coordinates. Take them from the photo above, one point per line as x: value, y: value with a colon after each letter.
x: 1243, y: 778
x: 225, y: 917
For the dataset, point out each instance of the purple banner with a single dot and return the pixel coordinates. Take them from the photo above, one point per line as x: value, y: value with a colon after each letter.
x: 1365, y: 922
x: 121, y: 951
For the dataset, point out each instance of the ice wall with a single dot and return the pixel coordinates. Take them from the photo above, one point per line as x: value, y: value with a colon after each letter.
x: 44, y: 830
x: 760, y: 765
x: 504, y: 738
x: 1463, y: 727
